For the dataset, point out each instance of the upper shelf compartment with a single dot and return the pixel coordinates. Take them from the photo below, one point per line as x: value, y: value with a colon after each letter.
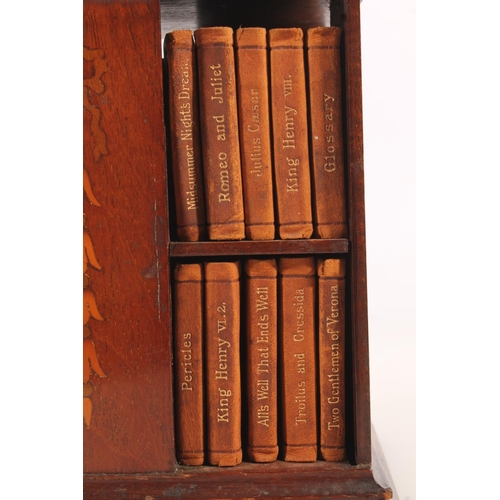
x: 192, y: 14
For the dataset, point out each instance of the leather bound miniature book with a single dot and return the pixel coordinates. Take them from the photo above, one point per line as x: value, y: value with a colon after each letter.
x: 262, y: 358
x: 255, y: 134
x: 222, y: 344
x: 219, y: 133
x: 188, y: 363
x: 297, y: 279
x: 290, y: 133
x: 326, y: 137
x: 186, y: 168
x: 331, y: 342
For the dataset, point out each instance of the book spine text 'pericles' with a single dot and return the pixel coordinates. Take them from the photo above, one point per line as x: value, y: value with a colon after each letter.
x: 188, y: 363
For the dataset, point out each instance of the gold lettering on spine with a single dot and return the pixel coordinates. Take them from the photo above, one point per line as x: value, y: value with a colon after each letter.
x: 330, y: 163
x: 225, y: 187
x: 300, y: 358
x: 333, y: 375
x: 298, y: 336
x: 300, y: 401
x: 289, y: 141
x: 290, y: 114
x: 95, y: 66
x: 185, y: 111
x: 221, y: 372
x: 254, y: 128
x: 263, y: 382
x: 292, y: 180
x: 186, y: 363
x: 216, y: 83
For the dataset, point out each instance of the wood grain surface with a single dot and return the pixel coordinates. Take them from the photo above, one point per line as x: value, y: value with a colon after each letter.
x: 130, y: 428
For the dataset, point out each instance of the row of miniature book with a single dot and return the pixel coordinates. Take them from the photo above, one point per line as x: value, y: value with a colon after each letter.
x: 256, y: 140
x: 286, y: 372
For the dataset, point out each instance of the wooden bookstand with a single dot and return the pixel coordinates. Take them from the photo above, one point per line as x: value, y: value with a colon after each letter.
x: 128, y: 399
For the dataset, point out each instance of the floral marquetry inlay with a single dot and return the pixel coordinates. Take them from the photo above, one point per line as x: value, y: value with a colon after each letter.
x: 95, y: 65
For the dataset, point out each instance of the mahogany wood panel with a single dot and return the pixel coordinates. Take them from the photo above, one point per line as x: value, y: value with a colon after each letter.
x: 128, y: 395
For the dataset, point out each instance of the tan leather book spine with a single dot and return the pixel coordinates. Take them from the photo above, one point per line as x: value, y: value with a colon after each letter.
x: 325, y: 107
x: 186, y: 168
x: 297, y: 332
x: 219, y: 133
x: 188, y: 363
x: 255, y: 132
x: 290, y: 133
x: 222, y: 319
x: 262, y: 359
x: 331, y: 342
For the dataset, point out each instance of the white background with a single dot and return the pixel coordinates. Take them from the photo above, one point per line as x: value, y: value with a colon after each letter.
x: 388, y: 66
x: 454, y: 123
x: 457, y: 245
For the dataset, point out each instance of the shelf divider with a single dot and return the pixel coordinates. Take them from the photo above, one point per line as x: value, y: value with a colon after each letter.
x: 267, y: 247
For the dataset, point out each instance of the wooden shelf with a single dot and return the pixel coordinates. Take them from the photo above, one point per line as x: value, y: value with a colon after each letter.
x: 275, y: 480
x: 270, y: 247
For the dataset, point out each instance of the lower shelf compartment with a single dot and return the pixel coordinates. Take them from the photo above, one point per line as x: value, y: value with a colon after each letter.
x: 279, y: 480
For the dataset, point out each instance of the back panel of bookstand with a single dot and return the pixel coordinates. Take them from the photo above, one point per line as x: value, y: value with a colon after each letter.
x: 129, y: 448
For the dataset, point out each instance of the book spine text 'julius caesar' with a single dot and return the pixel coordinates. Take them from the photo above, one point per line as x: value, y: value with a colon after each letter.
x: 188, y: 362
x: 290, y: 133
x: 262, y: 356
x: 255, y: 135
x: 325, y: 107
x: 219, y: 133
x: 186, y: 166
x: 222, y: 341
x: 331, y: 341
x: 298, y: 357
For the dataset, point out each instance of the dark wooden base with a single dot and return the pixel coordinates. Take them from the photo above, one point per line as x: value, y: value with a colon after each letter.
x: 277, y: 480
